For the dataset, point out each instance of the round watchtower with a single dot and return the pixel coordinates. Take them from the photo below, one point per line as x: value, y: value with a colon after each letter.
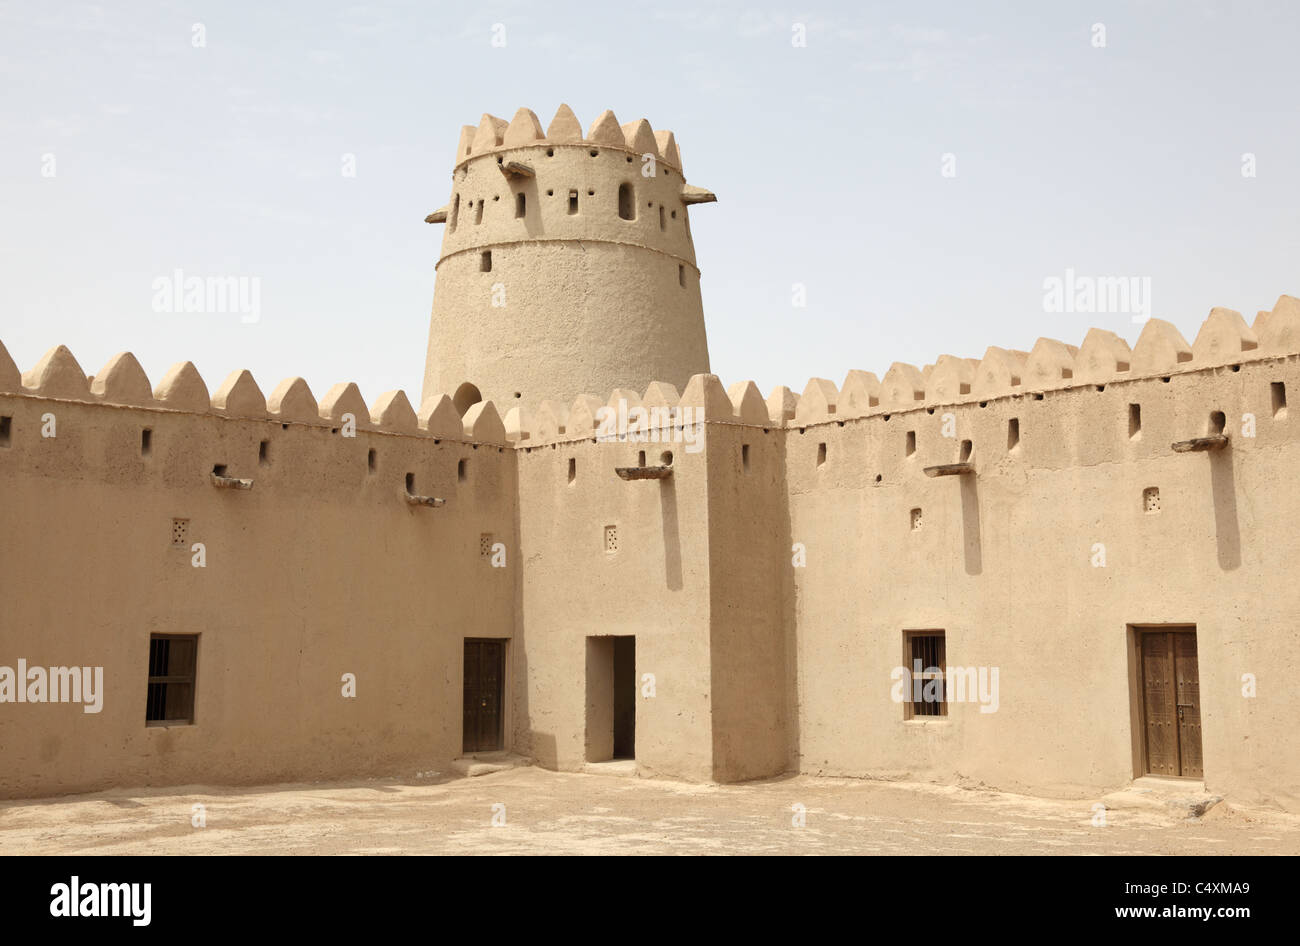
x: 567, y: 265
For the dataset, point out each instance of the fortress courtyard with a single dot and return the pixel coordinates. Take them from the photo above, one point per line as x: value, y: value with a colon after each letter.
x: 581, y: 813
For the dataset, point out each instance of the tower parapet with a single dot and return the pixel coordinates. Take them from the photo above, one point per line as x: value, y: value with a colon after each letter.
x: 567, y: 263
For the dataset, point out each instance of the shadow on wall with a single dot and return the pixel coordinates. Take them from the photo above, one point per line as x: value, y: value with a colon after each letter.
x: 1223, y: 492
x: 542, y: 749
x: 466, y: 396
x: 672, y: 535
x: 970, y: 522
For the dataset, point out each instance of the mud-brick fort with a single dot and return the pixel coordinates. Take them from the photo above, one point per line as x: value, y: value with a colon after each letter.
x: 1081, y: 559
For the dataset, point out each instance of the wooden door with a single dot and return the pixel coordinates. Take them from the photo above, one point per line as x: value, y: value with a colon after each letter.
x: 485, y: 665
x: 1171, y: 703
x: 1187, y: 705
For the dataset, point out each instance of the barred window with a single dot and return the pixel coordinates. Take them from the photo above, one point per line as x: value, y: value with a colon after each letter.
x: 925, y: 656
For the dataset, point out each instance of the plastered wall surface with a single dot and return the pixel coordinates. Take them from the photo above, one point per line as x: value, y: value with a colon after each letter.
x: 322, y: 568
x: 767, y: 554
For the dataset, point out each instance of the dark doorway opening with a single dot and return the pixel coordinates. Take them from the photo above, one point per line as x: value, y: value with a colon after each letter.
x: 625, y: 698
x: 611, y: 698
x: 485, y: 673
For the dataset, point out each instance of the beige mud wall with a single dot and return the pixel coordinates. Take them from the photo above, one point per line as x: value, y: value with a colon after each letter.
x: 1003, y: 564
x: 749, y: 564
x: 321, y: 569
x: 655, y: 586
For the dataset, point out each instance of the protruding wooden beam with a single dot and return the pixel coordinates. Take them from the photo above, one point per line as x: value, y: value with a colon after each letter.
x: 516, y: 169
x: 438, y: 216
x: 221, y: 481
x: 950, y: 469
x: 697, y: 195
x: 415, y: 500
x: 643, y: 472
x: 1201, y: 444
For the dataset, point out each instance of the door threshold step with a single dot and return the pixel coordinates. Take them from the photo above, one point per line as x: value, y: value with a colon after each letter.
x: 621, y: 767
x: 1178, y: 795
x: 485, y: 763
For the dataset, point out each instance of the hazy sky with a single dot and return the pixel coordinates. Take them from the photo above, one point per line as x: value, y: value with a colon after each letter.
x: 130, y: 152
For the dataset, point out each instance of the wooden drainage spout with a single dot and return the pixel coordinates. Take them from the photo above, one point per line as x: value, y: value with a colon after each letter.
x: 643, y: 472
x: 951, y: 469
x: 1201, y: 444
x: 415, y: 500
x: 221, y: 481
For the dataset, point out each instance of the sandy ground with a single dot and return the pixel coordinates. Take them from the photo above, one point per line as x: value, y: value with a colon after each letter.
x: 560, y: 813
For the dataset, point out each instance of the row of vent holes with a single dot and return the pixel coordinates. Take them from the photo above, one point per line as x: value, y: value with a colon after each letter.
x: 263, y: 450
x: 594, y: 152
x: 967, y: 447
x: 1218, y: 423
x: 410, y: 477
x: 626, y: 205
x: 521, y: 207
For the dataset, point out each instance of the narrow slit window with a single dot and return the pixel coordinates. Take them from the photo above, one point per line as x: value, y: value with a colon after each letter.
x: 485, y: 262
x: 744, y: 456
x: 6, y: 426
x: 821, y: 453
x: 1217, y: 423
x: 410, y: 483
x: 1278, y: 390
x: 573, y: 202
x: 478, y: 213
x: 573, y: 469
x: 967, y: 448
x: 264, y: 453
x: 455, y: 212
x: 371, y: 460
x: 1135, y: 422
x: 1013, y: 433
x: 663, y: 219
x: 460, y: 470
x: 521, y: 205
x: 626, y: 202
x: 146, y: 442
x: 910, y: 447
x: 681, y: 275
